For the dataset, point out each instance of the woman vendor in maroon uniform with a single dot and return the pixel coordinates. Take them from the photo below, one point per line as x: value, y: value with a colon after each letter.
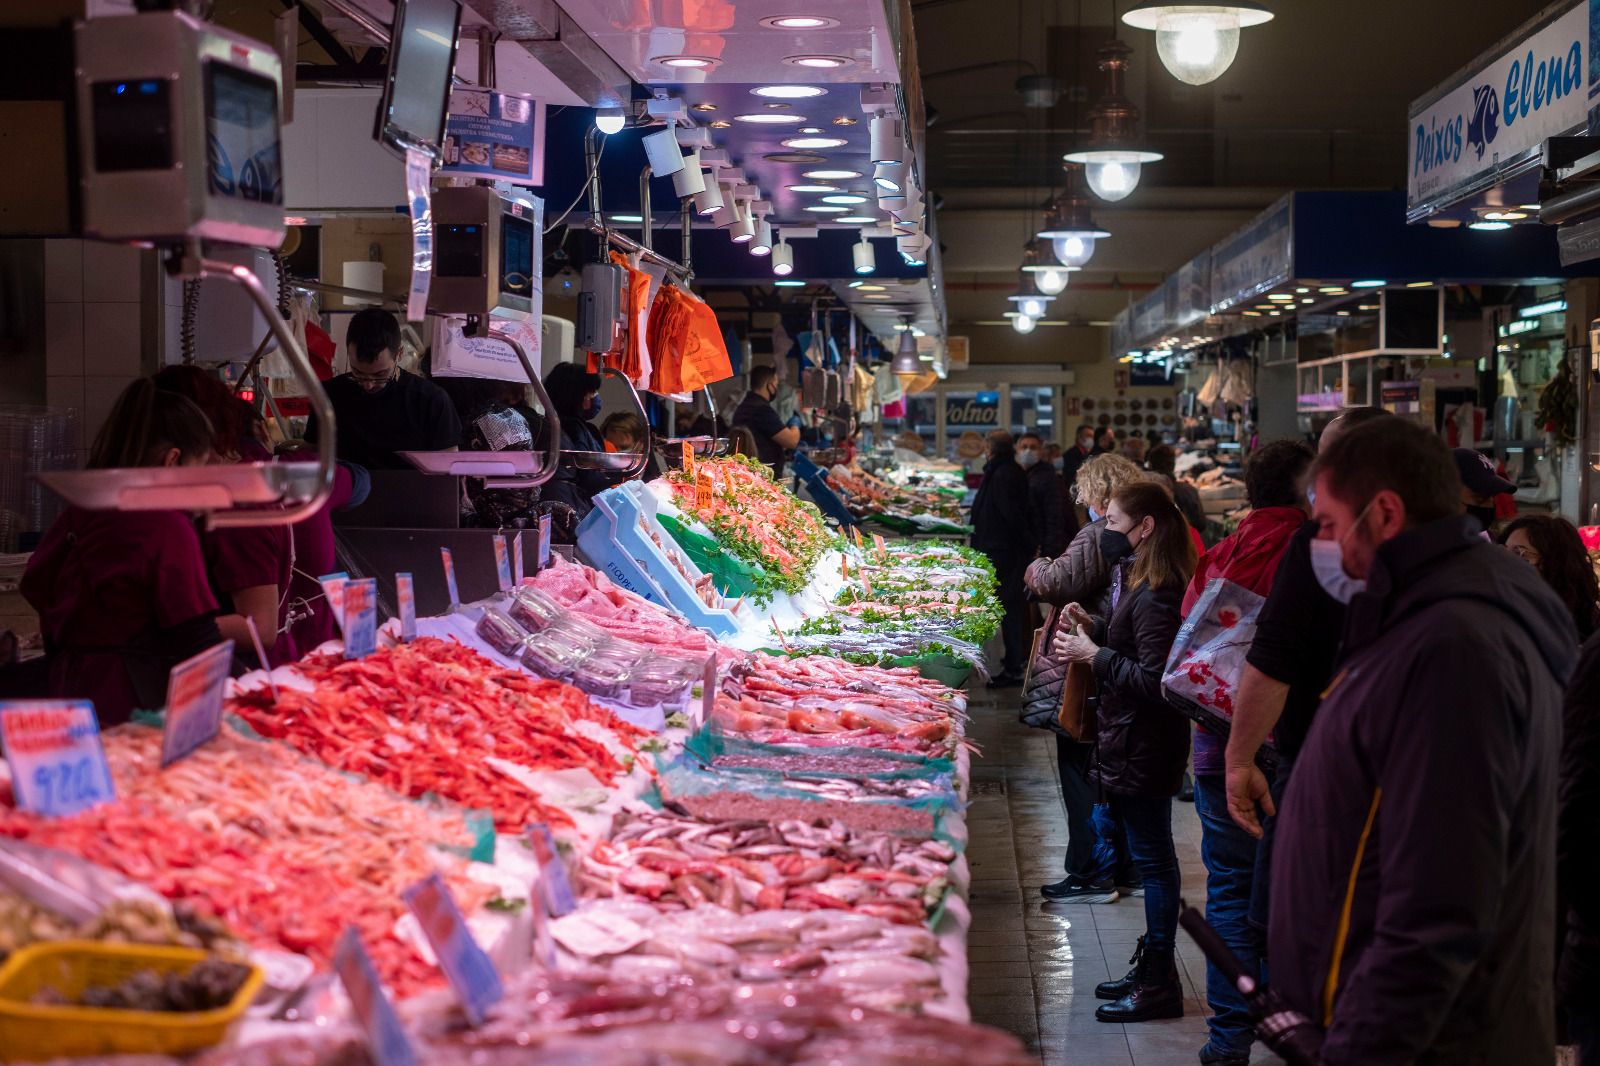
x: 122, y: 596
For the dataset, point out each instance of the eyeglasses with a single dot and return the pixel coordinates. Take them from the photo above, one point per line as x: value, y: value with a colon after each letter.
x: 366, y: 380
x: 1527, y: 555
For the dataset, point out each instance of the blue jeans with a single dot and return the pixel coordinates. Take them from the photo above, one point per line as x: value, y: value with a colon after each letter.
x: 1229, y: 854
x: 1147, y: 820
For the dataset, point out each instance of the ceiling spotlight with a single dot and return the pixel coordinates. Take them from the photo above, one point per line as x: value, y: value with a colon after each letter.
x: 1023, y: 323
x: 1488, y: 225
x: 816, y: 62
x: 827, y: 209
x: 831, y: 175
x: 888, y: 140
x: 813, y: 188
x: 744, y: 230
x: 815, y: 142
x: 721, y: 124
x: 788, y: 92
x: 844, y: 120
x: 1069, y: 224
x: 799, y: 22
x: 866, y: 260
x: 609, y: 120
x: 782, y: 258
x: 1113, y: 159
x: 1372, y: 283
x: 773, y: 118
x: 1196, y: 42
x: 691, y: 180
x: 886, y: 178
x: 704, y: 106
x: 861, y: 220
x: 761, y: 244
x: 685, y: 62
x: 789, y: 283
x: 844, y: 198
x: 708, y: 200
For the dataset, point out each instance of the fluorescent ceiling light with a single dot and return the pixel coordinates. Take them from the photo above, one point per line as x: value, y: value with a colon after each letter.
x: 813, y: 188
x: 831, y: 175
x: 1549, y: 307
x: 773, y: 118
x: 1369, y: 284
x: 627, y: 218
x: 789, y: 283
x: 815, y: 142
x: 788, y: 92
x: 817, y: 62
x: 827, y: 209
x: 799, y: 22
x: 857, y: 219
x: 1489, y: 225
x: 690, y: 62
x: 844, y: 198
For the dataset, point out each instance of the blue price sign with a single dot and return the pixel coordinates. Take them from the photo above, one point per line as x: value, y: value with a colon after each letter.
x: 386, y: 1037
x: 465, y: 965
x: 360, y: 618
x: 333, y: 590
x: 516, y: 558
x: 544, y: 542
x: 57, y: 764
x: 407, y: 596
x: 553, y: 883
x: 450, y: 576
x: 194, y: 701
x: 502, y: 562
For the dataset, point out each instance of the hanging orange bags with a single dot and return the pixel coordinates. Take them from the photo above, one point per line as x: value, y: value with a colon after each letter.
x: 686, y: 344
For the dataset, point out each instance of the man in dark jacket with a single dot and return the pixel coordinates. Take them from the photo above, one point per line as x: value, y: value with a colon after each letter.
x: 1578, y: 856
x: 1414, y: 870
x: 1051, y: 523
x: 1000, y: 531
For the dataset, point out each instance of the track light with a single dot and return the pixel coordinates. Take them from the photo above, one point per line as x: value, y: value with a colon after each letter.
x: 709, y: 200
x: 609, y: 120
x: 888, y: 142
x: 866, y: 259
x: 762, y: 243
x: 782, y: 258
x: 691, y: 180
x: 887, y: 179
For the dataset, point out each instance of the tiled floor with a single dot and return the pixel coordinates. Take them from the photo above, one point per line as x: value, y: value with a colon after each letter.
x: 1034, y: 965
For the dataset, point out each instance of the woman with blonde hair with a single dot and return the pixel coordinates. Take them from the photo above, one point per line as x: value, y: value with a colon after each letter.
x: 1142, y: 743
x: 1080, y: 575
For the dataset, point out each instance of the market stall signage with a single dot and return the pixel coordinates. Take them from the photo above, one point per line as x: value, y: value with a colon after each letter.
x: 386, y: 1037
x: 1502, y: 113
x: 688, y: 459
x: 981, y: 410
x: 333, y: 591
x: 704, y: 491
x: 502, y: 562
x: 406, y: 593
x: 1252, y: 260
x: 360, y: 618
x: 449, y: 562
x: 194, y: 701
x: 494, y: 135
x: 517, y: 573
x: 58, y: 766
x: 419, y: 198
x: 466, y: 966
x: 554, y: 886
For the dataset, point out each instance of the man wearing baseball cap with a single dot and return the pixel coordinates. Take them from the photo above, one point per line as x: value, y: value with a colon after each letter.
x: 1480, y: 485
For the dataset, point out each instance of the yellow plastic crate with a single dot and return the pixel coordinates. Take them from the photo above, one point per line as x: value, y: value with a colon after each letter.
x: 29, y: 1031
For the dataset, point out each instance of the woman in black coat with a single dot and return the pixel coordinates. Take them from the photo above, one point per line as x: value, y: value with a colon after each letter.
x: 1142, y: 744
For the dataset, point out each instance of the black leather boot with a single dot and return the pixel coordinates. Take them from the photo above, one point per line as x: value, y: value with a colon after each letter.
x: 1122, y: 986
x: 1157, y: 991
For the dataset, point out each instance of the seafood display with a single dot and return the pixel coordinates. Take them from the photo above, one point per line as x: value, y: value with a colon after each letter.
x: 870, y: 496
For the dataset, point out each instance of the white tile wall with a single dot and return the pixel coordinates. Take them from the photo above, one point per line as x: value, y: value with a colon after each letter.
x: 63, y: 338
x: 93, y: 317
x: 110, y: 272
x: 99, y: 393
x: 63, y: 271
x: 111, y: 339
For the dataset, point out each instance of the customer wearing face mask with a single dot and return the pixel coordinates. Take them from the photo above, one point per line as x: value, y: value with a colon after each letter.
x: 1414, y: 869
x: 1142, y: 743
x: 380, y: 409
x: 1051, y: 522
x: 755, y: 411
x: 1479, y: 485
x: 1074, y: 457
x: 1551, y: 545
x: 1000, y: 531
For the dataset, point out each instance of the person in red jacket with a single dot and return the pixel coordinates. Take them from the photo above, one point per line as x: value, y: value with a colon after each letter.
x: 1275, y: 482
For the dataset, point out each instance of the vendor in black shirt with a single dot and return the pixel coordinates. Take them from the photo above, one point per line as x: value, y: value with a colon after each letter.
x: 755, y: 411
x: 380, y: 409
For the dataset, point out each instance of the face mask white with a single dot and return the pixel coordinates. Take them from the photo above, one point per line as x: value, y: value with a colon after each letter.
x: 1327, y: 562
x: 1026, y: 457
x: 1094, y: 516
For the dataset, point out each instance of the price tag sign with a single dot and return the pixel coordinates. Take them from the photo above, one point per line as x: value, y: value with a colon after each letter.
x: 465, y: 965
x: 517, y: 573
x: 261, y: 655
x: 502, y: 562
x: 880, y: 547
x: 778, y: 630
x: 450, y: 576
x: 406, y: 593
x: 844, y: 566
x: 386, y: 1037
x: 360, y: 618
x: 553, y: 882
x: 53, y: 748
x: 688, y: 460
x: 866, y: 582
x: 333, y: 591
x: 194, y: 701
x: 544, y: 542
x: 704, y: 491
x: 544, y: 943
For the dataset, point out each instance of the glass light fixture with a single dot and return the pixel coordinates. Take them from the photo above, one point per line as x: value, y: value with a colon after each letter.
x: 609, y: 120
x: 1196, y: 42
x: 788, y: 92
x: 1069, y: 225
x: 866, y: 260
x: 1048, y: 275
x: 831, y: 175
x: 1113, y: 159
x: 1023, y: 323
x: 1027, y: 299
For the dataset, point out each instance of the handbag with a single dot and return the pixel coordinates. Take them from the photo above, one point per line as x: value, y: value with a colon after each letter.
x: 1057, y: 696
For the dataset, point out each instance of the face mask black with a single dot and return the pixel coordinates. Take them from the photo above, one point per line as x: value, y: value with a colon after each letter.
x: 1484, y: 515
x: 1114, y: 546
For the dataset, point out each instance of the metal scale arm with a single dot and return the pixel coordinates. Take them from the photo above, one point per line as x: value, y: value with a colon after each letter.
x: 551, y: 418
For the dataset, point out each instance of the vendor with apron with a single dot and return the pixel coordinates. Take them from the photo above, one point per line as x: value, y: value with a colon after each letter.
x: 122, y: 596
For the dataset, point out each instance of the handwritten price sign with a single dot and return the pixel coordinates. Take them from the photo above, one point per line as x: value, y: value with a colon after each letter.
x: 704, y: 490
x: 386, y: 1037
x: 194, y: 701
x: 465, y: 965
x: 360, y: 618
x: 406, y: 593
x: 58, y: 767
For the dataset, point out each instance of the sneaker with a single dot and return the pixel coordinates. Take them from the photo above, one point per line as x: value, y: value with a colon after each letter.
x: 1210, y: 1056
x: 1134, y: 891
x: 1073, y: 890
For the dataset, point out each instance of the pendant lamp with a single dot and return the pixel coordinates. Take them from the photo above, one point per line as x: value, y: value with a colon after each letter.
x: 1049, y: 275
x: 1069, y: 224
x: 1114, y: 157
x: 1196, y: 42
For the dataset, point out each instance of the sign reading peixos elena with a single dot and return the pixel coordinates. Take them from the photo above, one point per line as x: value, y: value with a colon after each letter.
x: 1501, y: 113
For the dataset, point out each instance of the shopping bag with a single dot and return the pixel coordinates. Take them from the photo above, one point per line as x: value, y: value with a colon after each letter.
x: 1056, y: 695
x: 1208, y: 655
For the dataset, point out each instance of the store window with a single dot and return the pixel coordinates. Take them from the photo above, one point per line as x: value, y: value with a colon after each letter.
x: 922, y: 418
x: 968, y: 411
x: 1033, y: 410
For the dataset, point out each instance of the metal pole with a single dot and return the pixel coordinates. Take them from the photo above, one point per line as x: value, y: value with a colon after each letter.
x: 552, y: 420
x: 486, y: 68
x: 686, y: 223
x: 646, y: 237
